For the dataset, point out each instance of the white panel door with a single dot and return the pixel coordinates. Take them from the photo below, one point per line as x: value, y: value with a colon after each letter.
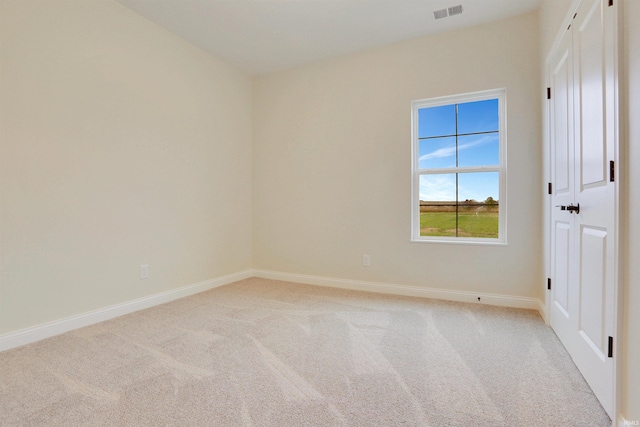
x: 583, y: 240
x: 595, y: 192
x: 562, y: 177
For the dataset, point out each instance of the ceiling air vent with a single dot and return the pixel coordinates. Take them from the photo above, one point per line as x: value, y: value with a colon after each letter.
x: 439, y: 14
x: 454, y: 10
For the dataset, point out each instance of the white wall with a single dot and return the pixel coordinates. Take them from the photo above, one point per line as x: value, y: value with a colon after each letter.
x: 121, y: 145
x: 332, y: 168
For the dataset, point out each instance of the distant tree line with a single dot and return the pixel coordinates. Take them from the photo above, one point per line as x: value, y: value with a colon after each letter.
x: 489, y: 205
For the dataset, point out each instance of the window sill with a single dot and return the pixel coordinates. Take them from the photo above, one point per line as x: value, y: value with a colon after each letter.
x: 462, y: 241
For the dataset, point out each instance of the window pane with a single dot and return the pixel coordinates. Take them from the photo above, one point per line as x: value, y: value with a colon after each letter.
x: 478, y: 206
x: 438, y: 205
x: 437, y: 153
x: 479, y: 150
x: 437, y: 121
x: 479, y: 116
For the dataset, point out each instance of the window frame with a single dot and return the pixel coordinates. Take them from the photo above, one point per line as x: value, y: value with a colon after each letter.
x: 416, y: 172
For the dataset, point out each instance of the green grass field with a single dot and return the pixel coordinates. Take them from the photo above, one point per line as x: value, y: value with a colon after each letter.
x: 469, y: 224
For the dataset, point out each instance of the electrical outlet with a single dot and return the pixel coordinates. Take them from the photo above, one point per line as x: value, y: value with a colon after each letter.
x: 366, y: 260
x: 144, y: 271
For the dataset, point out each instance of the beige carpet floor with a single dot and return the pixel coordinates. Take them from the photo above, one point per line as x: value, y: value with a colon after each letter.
x: 267, y: 353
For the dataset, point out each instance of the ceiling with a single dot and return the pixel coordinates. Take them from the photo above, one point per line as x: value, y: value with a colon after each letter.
x: 263, y: 36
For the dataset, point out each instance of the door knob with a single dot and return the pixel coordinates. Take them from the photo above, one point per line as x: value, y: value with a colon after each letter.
x: 571, y: 208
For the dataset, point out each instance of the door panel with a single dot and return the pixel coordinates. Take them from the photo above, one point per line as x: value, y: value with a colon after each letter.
x: 562, y: 124
x: 562, y: 171
x: 561, y: 270
x: 596, y: 196
x: 583, y: 256
x: 593, y: 249
x: 588, y: 48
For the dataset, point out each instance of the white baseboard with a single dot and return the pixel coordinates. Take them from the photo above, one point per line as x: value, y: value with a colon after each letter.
x: 56, y: 327
x: 542, y: 308
x: 407, y: 290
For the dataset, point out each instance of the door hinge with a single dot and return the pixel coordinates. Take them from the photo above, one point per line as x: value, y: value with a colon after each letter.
x: 549, y: 283
x: 548, y: 93
x: 610, y: 2
x: 610, y: 353
x: 550, y: 189
x: 612, y: 171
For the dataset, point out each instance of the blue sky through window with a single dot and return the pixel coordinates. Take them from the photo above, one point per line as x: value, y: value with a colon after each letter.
x: 477, y: 144
x: 471, y: 186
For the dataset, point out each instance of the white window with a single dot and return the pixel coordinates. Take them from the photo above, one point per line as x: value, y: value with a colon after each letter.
x: 459, y: 168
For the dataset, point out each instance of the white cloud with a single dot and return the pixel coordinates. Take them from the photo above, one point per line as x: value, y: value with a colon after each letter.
x: 451, y: 151
x: 438, y: 187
